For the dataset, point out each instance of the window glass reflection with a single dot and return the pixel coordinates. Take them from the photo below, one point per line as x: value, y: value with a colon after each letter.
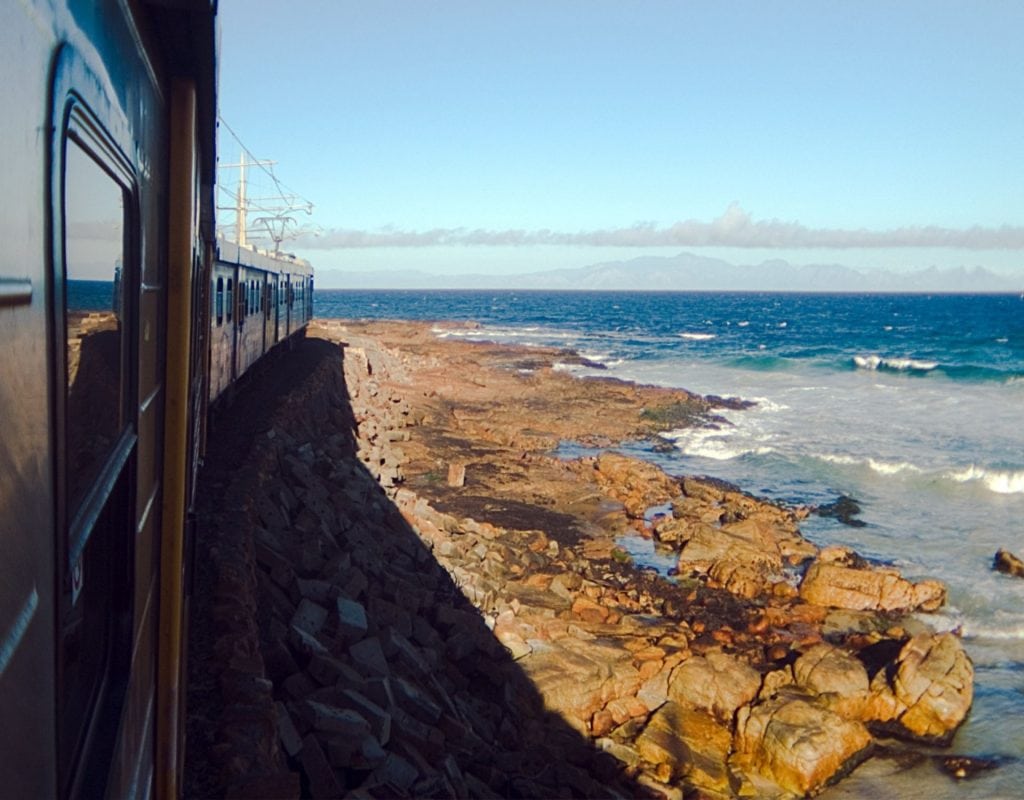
x: 94, y: 318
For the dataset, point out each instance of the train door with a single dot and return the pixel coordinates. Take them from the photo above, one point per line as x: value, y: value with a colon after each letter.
x: 96, y: 442
x: 268, y: 311
x: 279, y: 321
x: 287, y: 305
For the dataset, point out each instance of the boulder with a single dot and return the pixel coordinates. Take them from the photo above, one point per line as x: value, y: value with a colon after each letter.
x: 717, y: 683
x: 926, y: 693
x: 797, y: 744
x: 634, y: 483
x: 837, y: 586
x: 738, y: 578
x: 577, y: 678
x: 692, y: 743
x: 838, y: 678
x: 1007, y: 562
x: 708, y: 545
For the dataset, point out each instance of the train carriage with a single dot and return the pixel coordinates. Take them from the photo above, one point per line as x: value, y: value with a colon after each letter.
x: 119, y: 323
x: 254, y: 307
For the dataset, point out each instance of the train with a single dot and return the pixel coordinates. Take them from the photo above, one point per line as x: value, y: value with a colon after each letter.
x: 123, y: 319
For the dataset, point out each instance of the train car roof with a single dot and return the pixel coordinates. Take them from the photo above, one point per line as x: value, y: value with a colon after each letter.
x: 232, y: 253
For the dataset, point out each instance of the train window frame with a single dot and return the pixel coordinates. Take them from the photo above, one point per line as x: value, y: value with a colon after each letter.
x: 94, y: 531
x: 219, y: 300
x: 82, y: 128
x: 230, y: 304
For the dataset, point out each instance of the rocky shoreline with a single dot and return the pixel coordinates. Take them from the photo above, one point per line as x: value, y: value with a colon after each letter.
x: 407, y: 594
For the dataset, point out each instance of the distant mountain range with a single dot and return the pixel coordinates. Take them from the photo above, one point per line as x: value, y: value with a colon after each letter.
x: 689, y: 272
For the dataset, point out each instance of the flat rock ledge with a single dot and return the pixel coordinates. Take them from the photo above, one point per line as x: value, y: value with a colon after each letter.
x: 371, y: 639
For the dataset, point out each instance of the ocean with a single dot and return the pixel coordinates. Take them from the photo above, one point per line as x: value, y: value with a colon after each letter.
x: 911, y: 404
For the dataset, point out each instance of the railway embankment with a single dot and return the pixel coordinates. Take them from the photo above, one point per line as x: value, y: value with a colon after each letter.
x: 402, y: 592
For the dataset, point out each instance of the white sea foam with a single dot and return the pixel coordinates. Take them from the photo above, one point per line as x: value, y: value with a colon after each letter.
x: 873, y: 362
x: 743, y: 324
x: 978, y: 630
x: 783, y: 325
x: 892, y: 468
x: 718, y: 450
x: 717, y: 445
x: 530, y: 335
x: 698, y: 337
x: 601, y: 357
x: 875, y: 465
x: 998, y: 481
x: 765, y: 404
x: 839, y: 459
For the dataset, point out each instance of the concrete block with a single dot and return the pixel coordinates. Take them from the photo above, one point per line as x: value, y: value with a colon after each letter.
x: 352, y: 621
x: 409, y: 698
x: 298, y: 686
x: 323, y: 784
x: 287, y: 733
x: 304, y: 644
x: 397, y: 772
x: 368, y: 658
x: 309, y: 617
x: 335, y: 720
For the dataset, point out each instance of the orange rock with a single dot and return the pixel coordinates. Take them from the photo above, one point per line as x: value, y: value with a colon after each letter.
x: 652, y: 653
x: 602, y: 723
x: 784, y: 590
x: 648, y: 669
x: 537, y: 542
x: 758, y: 625
x: 538, y: 581
x: 589, y: 611
x: 723, y: 635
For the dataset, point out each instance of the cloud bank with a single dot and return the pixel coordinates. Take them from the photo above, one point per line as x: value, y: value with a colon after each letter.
x: 734, y: 228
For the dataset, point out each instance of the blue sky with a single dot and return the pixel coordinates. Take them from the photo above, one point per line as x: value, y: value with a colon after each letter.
x: 516, y: 136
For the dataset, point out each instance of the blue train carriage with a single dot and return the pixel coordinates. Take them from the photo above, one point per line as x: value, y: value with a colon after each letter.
x: 108, y: 135
x: 258, y: 300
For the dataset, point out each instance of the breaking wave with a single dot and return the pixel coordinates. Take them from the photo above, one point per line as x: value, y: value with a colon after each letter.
x: 998, y: 481
x: 875, y: 465
x: 712, y: 444
x: 995, y: 480
x: 873, y: 362
x: 698, y: 337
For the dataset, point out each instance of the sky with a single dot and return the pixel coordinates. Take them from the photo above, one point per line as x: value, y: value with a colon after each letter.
x: 508, y: 137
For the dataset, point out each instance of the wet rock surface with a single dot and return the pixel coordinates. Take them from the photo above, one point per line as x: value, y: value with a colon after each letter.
x: 402, y: 593
x: 1007, y: 562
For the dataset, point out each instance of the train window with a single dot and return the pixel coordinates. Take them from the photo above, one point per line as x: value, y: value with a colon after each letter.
x: 230, y: 304
x: 94, y: 242
x: 220, y: 301
x: 99, y: 278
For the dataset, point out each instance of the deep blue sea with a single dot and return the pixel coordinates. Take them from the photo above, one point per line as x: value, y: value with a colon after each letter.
x: 911, y: 404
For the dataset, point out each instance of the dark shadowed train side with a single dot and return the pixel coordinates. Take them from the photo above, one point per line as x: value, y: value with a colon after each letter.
x: 111, y: 317
x: 258, y: 300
